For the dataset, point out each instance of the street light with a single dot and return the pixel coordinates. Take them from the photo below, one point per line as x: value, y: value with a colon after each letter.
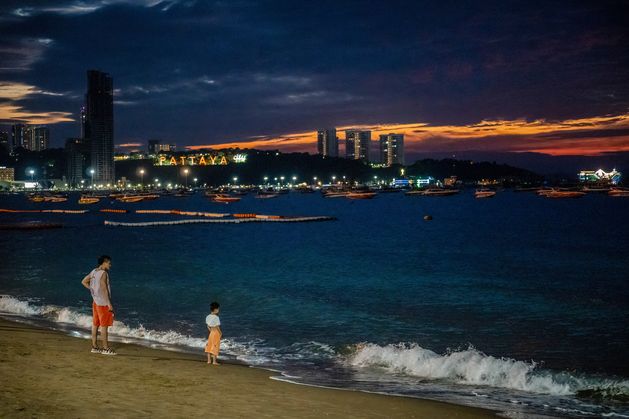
x: 195, y: 182
x: 32, y: 172
x: 294, y: 179
x: 314, y: 180
x: 142, y: 177
x: 235, y: 179
x: 333, y: 179
x: 185, y: 171
x: 92, y: 173
x: 266, y: 179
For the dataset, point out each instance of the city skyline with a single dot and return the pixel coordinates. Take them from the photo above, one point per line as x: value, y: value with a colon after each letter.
x: 450, y: 79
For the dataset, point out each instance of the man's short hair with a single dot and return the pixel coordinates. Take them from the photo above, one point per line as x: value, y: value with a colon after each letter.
x: 103, y: 259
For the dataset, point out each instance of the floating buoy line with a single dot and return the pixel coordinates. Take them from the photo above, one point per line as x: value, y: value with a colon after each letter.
x: 220, y: 217
x: 223, y: 221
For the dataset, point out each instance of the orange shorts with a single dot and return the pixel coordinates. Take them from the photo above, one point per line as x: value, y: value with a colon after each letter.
x: 101, y: 316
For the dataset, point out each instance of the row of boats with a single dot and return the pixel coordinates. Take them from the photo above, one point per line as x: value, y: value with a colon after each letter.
x: 229, y: 196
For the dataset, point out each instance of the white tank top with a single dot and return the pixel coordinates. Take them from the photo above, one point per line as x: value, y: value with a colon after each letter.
x: 99, y: 294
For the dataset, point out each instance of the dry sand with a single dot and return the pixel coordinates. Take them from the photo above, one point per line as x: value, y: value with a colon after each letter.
x: 45, y: 373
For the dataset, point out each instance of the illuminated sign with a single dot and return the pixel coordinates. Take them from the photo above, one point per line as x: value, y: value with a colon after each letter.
x: 600, y: 176
x: 200, y: 159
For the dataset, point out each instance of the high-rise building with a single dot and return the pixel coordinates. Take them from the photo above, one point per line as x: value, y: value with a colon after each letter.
x: 392, y: 149
x: 82, y: 121
x: 17, y: 136
x: 36, y: 137
x: 328, y: 142
x: 154, y: 146
x: 77, y: 159
x: 5, y: 144
x: 99, y: 125
x: 357, y: 144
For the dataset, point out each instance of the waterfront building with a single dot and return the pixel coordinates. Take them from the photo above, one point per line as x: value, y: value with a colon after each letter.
x: 4, y: 141
x: 99, y: 125
x: 17, y: 136
x: 156, y: 146
x: 392, y: 149
x: 36, y: 137
x: 327, y: 142
x: 600, y: 176
x: 77, y: 159
x: 7, y: 174
x: 357, y: 145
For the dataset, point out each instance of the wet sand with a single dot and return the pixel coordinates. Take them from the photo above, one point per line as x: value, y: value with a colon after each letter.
x: 44, y: 373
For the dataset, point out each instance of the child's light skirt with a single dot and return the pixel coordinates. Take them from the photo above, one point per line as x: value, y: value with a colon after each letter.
x: 213, y: 343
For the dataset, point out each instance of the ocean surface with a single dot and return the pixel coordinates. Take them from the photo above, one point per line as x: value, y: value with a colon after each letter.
x: 516, y: 303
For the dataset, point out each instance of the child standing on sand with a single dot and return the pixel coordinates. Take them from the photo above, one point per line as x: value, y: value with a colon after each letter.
x: 214, y: 340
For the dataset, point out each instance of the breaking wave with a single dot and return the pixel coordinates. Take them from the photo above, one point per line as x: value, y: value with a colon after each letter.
x: 472, y: 367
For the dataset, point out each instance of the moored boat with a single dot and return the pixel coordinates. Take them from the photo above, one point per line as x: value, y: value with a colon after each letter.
x: 484, y: 193
x: 616, y: 191
x: 334, y: 194
x: 266, y: 195
x: 55, y: 199
x: 130, y: 198
x: 360, y: 195
x: 564, y: 194
x: 86, y: 200
x: 225, y: 199
x: 440, y: 192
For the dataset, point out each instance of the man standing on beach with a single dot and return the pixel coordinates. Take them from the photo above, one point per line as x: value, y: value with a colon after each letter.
x: 97, y: 282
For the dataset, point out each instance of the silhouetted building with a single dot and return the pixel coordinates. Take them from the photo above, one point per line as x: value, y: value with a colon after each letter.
x: 36, y: 137
x: 392, y: 149
x: 17, y: 136
x: 357, y: 144
x: 5, y: 143
x: 99, y: 125
x: 153, y: 146
x: 78, y: 152
x: 327, y: 142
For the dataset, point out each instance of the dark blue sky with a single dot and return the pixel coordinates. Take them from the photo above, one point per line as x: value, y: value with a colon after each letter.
x: 210, y: 72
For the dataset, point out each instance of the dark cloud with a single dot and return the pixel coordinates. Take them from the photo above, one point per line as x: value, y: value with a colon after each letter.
x: 202, y: 72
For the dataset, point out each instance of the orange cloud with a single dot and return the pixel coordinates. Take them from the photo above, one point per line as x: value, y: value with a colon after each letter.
x: 10, y: 111
x: 129, y: 145
x: 519, y: 135
x: 13, y: 113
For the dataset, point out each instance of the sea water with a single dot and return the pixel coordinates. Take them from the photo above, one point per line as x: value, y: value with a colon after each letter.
x: 517, y: 303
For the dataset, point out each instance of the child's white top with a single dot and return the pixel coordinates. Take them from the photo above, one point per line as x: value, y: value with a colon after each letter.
x: 212, y: 320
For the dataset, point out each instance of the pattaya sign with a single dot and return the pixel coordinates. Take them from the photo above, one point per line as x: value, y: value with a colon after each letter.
x: 202, y: 159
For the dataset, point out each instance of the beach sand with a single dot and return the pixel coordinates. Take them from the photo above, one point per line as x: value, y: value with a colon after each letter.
x: 44, y: 373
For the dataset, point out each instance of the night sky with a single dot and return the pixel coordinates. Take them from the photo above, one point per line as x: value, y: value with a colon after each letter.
x: 548, y: 77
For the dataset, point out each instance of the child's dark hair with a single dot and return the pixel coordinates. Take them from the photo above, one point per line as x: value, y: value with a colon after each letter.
x: 103, y: 259
x: 214, y: 306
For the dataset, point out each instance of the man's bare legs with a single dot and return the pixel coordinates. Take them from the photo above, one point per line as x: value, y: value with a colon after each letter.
x: 94, y: 336
x: 209, y: 358
x: 104, y: 336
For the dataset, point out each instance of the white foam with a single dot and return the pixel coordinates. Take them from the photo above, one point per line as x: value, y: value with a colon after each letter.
x: 66, y: 315
x: 475, y: 368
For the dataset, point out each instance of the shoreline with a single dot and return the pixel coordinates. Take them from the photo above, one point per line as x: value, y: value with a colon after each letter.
x: 46, y: 372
